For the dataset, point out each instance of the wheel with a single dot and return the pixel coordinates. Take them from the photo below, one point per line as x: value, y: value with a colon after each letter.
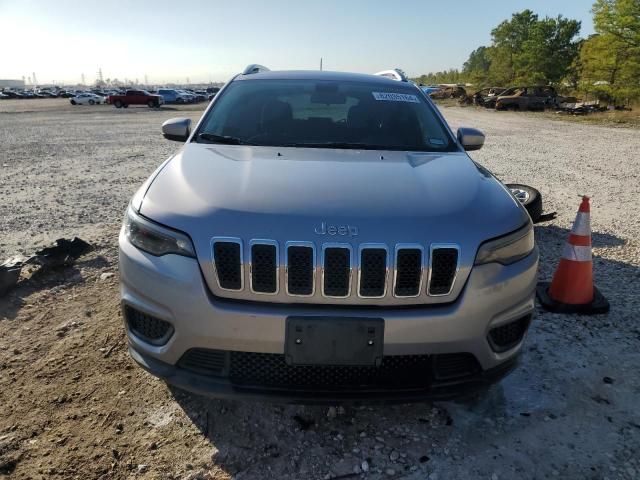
x: 125, y: 105
x: 118, y: 104
x: 151, y: 103
x: 530, y: 198
x: 73, y: 102
x: 92, y: 102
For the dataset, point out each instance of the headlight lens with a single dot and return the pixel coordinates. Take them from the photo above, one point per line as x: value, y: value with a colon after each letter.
x: 507, y: 249
x: 155, y: 239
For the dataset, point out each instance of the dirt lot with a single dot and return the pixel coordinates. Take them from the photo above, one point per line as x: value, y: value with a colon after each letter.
x: 74, y: 406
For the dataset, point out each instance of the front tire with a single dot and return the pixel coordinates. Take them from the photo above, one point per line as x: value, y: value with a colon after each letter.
x: 151, y: 103
x: 117, y: 104
x: 530, y: 198
x: 92, y: 102
x: 73, y: 102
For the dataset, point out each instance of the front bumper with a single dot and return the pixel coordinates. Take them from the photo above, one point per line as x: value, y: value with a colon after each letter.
x: 172, y: 289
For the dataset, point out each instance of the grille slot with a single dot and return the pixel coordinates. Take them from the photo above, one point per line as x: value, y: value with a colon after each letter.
x: 444, y: 266
x: 448, y: 366
x: 204, y: 361
x: 264, y: 268
x: 271, y: 370
x: 507, y: 336
x: 373, y: 272
x: 300, y: 268
x: 408, y: 272
x: 227, y: 256
x: 337, y: 272
x: 150, y: 329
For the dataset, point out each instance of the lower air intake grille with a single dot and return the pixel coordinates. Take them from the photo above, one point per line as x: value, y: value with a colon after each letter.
x: 507, y: 336
x: 444, y: 265
x: 263, y: 268
x: 150, y: 329
x: 373, y: 272
x: 204, y: 361
x: 228, y: 263
x: 408, y: 272
x: 271, y: 370
x: 337, y: 271
x: 448, y: 366
x: 300, y: 270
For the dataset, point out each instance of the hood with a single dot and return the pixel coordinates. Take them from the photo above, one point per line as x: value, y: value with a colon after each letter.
x: 325, y: 195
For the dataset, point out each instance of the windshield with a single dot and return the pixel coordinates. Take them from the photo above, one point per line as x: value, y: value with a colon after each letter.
x: 325, y: 114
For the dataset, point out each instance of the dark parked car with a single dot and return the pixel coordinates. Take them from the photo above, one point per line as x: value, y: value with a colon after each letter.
x: 526, y: 98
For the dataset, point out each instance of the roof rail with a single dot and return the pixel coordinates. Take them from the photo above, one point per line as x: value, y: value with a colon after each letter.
x: 254, y: 68
x: 395, y: 74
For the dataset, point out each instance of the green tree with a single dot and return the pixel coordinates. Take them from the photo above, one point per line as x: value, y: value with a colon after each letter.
x: 618, y: 18
x: 609, y: 62
x: 476, y: 68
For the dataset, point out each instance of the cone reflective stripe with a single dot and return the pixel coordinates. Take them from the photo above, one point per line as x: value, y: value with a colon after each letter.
x: 572, y: 283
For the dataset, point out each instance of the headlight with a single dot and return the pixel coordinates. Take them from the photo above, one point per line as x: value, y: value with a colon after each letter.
x: 507, y: 249
x: 155, y: 239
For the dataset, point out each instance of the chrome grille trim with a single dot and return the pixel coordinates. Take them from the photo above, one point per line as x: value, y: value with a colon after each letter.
x: 314, y: 266
x: 261, y: 241
x: 380, y: 246
x: 408, y: 246
x: 215, y: 240
x: 312, y: 272
x: 432, y: 248
x: 346, y: 246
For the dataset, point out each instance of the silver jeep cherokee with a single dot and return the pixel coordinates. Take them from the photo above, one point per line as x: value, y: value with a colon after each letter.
x: 324, y: 236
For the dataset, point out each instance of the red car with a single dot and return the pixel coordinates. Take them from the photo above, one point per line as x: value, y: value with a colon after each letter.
x: 135, y: 97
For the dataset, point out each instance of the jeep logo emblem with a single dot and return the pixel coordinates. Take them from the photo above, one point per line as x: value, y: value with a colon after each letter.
x: 344, y: 230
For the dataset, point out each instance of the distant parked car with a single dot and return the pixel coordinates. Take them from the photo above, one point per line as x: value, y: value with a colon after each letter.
x: 135, y: 97
x: 526, y: 98
x: 3, y: 96
x: 87, y: 98
x: 487, y: 96
x: 171, y: 95
x: 448, y: 91
x: 190, y: 97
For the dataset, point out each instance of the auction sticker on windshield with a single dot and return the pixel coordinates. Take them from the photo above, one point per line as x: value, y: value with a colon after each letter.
x: 395, y: 97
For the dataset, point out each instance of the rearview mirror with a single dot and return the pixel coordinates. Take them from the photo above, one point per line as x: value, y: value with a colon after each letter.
x: 177, y: 129
x: 470, y: 138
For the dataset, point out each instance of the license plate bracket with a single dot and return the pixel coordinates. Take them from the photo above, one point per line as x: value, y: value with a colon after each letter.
x: 334, y: 341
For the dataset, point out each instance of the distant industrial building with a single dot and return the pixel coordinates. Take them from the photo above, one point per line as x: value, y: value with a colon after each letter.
x: 11, y: 83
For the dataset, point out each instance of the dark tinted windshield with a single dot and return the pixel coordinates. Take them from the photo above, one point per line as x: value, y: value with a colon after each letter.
x: 309, y: 113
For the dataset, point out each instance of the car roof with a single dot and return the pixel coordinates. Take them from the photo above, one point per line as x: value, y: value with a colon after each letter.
x: 320, y: 75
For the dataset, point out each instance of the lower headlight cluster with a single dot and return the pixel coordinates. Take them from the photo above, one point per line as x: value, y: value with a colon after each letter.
x: 156, y: 239
x: 507, y: 249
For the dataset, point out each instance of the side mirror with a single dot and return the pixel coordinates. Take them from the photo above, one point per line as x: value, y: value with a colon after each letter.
x: 470, y: 138
x: 177, y: 129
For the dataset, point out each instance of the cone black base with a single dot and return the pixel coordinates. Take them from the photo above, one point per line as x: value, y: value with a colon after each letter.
x: 597, y: 306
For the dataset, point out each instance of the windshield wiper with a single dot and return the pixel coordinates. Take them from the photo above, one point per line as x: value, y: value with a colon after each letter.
x: 355, y: 146
x: 224, y: 139
x: 345, y: 145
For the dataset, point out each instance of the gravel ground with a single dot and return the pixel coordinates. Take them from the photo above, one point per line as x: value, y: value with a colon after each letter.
x: 74, y: 406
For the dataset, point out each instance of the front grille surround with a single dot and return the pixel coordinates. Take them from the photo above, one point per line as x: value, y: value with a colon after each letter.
x: 400, y: 247
x: 324, y: 277
x: 446, y: 246
x: 252, y: 271
x: 364, y: 247
x: 218, y: 272
x: 288, y: 265
x: 298, y: 269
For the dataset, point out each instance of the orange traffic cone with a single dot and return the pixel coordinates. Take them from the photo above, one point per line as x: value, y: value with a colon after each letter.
x: 572, y: 289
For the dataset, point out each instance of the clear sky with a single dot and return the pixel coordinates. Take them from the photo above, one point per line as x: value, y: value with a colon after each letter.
x: 170, y: 40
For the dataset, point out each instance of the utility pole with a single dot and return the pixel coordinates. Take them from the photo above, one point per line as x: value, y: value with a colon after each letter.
x: 320, y: 63
x: 35, y: 82
x: 99, y: 75
x: 146, y: 80
x: 82, y: 79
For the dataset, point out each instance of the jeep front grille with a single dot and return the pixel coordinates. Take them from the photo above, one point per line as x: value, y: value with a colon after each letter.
x: 338, y: 271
